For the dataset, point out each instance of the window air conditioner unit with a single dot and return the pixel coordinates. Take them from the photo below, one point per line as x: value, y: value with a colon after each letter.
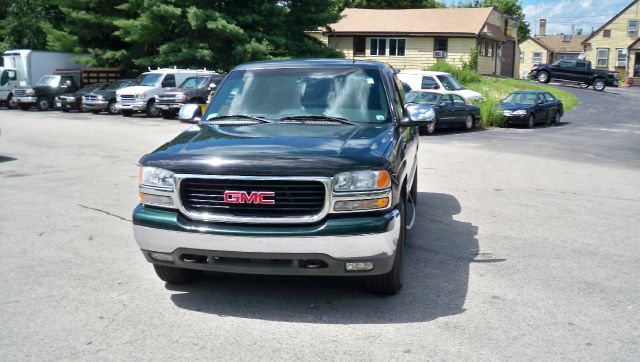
x: 621, y: 64
x: 439, y: 54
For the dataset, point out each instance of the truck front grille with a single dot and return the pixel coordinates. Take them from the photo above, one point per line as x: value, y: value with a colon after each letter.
x: 204, y: 198
x: 127, y: 97
x: 20, y: 92
x: 90, y: 98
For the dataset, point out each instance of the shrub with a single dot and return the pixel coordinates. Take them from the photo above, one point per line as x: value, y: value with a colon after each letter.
x: 491, y: 116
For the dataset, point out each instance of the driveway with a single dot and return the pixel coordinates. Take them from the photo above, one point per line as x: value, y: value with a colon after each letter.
x: 525, y: 248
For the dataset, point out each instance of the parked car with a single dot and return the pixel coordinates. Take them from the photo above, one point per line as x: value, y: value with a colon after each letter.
x: 531, y: 107
x: 575, y: 71
x: 195, y: 89
x: 73, y: 101
x: 141, y: 97
x: 300, y: 167
x: 451, y: 110
x: 42, y: 94
x: 105, y: 99
x: 422, y: 79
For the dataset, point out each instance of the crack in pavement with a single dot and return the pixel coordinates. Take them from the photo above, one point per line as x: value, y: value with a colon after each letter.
x: 105, y: 212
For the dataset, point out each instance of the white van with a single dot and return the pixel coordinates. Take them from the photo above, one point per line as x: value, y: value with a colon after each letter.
x: 422, y: 79
x: 140, y: 97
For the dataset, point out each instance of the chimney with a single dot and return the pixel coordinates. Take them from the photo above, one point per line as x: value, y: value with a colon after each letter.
x: 543, y: 27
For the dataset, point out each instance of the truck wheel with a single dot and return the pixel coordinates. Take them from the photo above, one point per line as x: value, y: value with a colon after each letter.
x: 152, y: 110
x: 43, y: 104
x: 175, y: 275
x: 543, y: 77
x: 111, y: 107
x: 599, y: 85
x: 391, y: 283
x: 127, y: 112
x: 11, y: 103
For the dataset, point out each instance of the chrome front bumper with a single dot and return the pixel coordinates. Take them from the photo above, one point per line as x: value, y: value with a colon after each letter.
x: 254, y: 254
x: 172, y: 106
x: 25, y: 99
x: 132, y: 106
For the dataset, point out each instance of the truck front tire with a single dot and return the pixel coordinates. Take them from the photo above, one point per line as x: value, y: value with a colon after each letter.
x: 391, y: 282
x: 543, y: 77
x: 173, y: 275
x: 599, y: 85
x: 152, y: 110
x: 43, y: 104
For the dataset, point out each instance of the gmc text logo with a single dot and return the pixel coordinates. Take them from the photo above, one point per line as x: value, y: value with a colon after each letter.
x: 255, y: 197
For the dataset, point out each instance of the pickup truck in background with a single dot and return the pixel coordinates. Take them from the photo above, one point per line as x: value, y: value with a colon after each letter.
x: 314, y: 176
x: 43, y: 93
x: 575, y: 71
x: 195, y: 89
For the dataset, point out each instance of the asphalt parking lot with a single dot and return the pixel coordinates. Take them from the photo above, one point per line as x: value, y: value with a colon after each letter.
x: 525, y: 248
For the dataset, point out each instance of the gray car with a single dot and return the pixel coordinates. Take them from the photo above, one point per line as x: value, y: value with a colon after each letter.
x: 194, y: 89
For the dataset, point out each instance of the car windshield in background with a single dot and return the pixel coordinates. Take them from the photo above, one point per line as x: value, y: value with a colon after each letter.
x: 356, y: 95
x: 149, y: 79
x: 521, y: 98
x: 50, y: 81
x: 422, y: 97
x: 117, y: 85
x: 450, y: 83
x: 91, y: 88
x: 193, y: 82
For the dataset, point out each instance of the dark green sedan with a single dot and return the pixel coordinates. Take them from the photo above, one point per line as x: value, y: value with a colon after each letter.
x: 451, y: 110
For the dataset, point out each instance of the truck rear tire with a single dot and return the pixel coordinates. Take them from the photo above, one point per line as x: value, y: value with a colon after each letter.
x: 391, y: 282
x: 43, y: 104
x: 111, y: 108
x: 173, y: 275
x: 599, y: 85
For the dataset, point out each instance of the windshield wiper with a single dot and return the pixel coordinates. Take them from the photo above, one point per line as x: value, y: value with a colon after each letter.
x: 317, y: 118
x: 243, y: 116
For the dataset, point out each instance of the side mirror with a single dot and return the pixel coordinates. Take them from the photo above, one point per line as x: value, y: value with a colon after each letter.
x: 539, y: 101
x: 443, y: 104
x: 435, y: 86
x: 190, y: 112
x: 212, y: 87
x: 417, y: 115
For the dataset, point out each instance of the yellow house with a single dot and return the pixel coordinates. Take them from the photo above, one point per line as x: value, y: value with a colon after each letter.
x: 615, y: 46
x: 548, y: 49
x: 418, y: 38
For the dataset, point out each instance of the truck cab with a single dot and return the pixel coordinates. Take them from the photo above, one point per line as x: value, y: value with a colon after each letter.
x: 43, y: 93
x: 8, y: 82
x: 305, y: 167
x: 195, y: 89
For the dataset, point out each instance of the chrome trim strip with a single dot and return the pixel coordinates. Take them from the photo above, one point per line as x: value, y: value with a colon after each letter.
x: 326, y: 181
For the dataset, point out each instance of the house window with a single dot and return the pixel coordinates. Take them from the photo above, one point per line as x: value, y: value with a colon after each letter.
x: 521, y: 56
x: 606, y: 33
x: 602, y: 57
x: 383, y: 46
x: 566, y: 38
x: 377, y: 46
x: 537, y: 57
x: 396, y: 47
x: 621, y: 57
x: 441, y: 44
x: 359, y: 46
x: 632, y: 28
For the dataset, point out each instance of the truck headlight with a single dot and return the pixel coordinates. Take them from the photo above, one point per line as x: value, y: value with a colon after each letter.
x: 100, y: 98
x: 520, y: 112
x: 140, y: 96
x: 361, y: 181
x: 181, y: 98
x: 157, y: 178
x: 30, y: 92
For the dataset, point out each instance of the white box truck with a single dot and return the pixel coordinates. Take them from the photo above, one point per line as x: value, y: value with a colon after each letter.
x: 23, y: 67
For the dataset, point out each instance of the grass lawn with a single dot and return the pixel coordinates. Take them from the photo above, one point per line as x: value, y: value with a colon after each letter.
x: 495, y: 89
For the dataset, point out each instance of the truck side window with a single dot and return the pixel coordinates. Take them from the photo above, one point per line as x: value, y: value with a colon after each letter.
x: 169, y: 81
x: 429, y: 82
x: 580, y: 64
x: 4, y: 78
x: 457, y: 100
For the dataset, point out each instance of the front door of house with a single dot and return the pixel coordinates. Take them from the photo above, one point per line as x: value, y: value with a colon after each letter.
x: 636, y: 67
x: 508, y: 58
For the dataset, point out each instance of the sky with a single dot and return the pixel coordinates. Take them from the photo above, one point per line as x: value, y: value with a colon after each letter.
x: 564, y: 15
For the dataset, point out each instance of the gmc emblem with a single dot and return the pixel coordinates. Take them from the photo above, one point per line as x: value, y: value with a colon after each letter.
x: 242, y: 197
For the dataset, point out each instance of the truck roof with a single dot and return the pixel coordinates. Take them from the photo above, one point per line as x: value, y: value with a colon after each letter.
x: 310, y: 63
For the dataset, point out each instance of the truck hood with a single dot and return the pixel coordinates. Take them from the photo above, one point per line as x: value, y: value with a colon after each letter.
x: 275, y: 149
x: 104, y: 93
x: 137, y: 89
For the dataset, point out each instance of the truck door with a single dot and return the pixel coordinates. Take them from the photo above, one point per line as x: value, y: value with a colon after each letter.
x: 565, y: 69
x: 582, y: 71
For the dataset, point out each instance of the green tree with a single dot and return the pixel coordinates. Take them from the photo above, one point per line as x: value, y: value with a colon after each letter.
x: 509, y: 7
x: 25, y: 24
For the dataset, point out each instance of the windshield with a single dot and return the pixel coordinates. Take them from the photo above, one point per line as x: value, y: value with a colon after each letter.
x: 422, y: 97
x: 148, y: 79
x: 92, y: 87
x: 449, y: 82
x: 521, y: 98
x: 117, y: 85
x: 354, y: 94
x: 49, y: 80
x: 193, y: 82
